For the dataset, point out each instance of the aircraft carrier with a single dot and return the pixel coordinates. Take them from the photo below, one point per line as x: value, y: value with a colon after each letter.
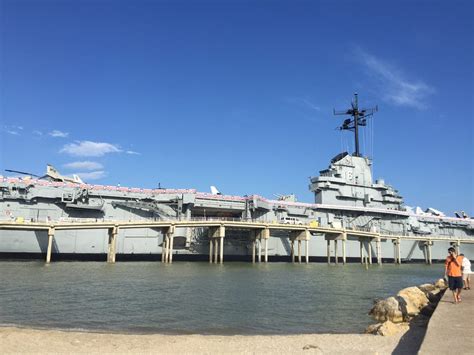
x: 345, y: 196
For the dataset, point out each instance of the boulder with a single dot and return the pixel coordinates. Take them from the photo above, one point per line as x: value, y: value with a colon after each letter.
x: 427, y: 288
x: 373, y: 328
x: 389, y: 328
x: 411, y: 300
x: 441, y: 284
x: 387, y: 309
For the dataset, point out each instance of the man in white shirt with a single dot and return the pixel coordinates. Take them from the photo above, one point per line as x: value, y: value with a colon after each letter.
x: 466, y: 272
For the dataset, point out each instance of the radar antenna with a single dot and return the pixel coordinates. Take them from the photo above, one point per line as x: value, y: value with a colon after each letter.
x: 359, y: 118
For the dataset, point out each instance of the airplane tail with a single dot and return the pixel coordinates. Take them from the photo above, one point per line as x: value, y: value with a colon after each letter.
x: 215, y: 191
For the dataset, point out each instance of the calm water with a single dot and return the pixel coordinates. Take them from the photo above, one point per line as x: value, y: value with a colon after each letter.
x: 194, y: 297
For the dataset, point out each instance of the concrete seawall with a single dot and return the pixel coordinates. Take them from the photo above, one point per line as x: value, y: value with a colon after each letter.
x: 451, y: 327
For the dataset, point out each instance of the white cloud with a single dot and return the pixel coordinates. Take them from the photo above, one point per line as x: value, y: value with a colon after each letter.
x: 92, y: 175
x: 58, y: 134
x: 393, y: 85
x: 84, y: 165
x: 89, y: 149
x: 38, y: 133
x: 13, y: 130
x: 304, y: 102
x: 132, y: 152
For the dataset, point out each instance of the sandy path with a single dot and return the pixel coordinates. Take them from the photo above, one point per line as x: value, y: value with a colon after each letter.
x: 16, y: 340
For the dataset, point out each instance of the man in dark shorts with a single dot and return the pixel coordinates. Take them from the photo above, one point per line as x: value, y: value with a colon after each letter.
x: 453, y: 272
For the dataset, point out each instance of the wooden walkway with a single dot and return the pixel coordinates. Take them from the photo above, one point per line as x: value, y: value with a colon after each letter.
x: 451, y: 327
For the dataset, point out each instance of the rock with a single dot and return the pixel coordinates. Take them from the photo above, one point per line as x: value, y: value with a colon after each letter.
x: 441, y: 284
x: 387, y: 309
x: 414, y: 298
x: 373, y: 328
x: 427, y: 288
x: 388, y: 328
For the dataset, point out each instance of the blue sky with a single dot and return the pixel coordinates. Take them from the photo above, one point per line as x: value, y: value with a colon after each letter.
x: 239, y: 94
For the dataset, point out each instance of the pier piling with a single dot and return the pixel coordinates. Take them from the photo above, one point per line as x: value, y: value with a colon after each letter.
x: 430, y: 243
x: 253, y: 236
x: 379, y: 251
x: 369, y: 249
x: 344, y: 239
x: 329, y: 251
x: 211, y: 253
x: 293, y: 251
x: 112, y: 244
x: 50, y: 244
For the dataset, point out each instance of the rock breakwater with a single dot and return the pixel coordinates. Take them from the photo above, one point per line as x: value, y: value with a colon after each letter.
x: 412, y: 306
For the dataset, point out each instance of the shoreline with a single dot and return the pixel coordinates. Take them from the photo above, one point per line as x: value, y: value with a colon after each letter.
x: 28, y: 340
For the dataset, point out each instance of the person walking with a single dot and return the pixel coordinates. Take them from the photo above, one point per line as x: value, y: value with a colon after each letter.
x: 466, y: 272
x: 452, y: 269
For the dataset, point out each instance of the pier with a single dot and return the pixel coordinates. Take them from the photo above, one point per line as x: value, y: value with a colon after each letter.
x: 259, y: 235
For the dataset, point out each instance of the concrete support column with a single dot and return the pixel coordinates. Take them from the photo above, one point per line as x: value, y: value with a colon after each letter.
x: 292, y: 250
x: 260, y: 250
x: 50, y: 244
x: 211, y: 251
x: 344, y: 239
x: 430, y: 261
x: 171, y: 245
x: 221, y: 256
x: 112, y: 244
x: 335, y: 252
x: 167, y: 247
x: 221, y: 235
x: 216, y: 250
x: 399, y: 251
x: 369, y: 247
x: 394, y: 242
x: 379, y: 251
x: 253, y: 250
x: 216, y: 244
x: 361, y: 251
x: 265, y: 234
x: 299, y: 251
x: 329, y: 251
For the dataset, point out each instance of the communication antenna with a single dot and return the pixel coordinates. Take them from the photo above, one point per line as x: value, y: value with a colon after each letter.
x: 359, y: 118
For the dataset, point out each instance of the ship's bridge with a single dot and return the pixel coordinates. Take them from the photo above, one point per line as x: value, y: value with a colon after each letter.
x: 348, y: 181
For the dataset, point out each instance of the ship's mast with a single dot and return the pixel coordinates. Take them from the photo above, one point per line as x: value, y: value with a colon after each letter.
x: 359, y: 118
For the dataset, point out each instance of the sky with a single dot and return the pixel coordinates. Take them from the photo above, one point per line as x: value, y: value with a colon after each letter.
x: 240, y: 94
